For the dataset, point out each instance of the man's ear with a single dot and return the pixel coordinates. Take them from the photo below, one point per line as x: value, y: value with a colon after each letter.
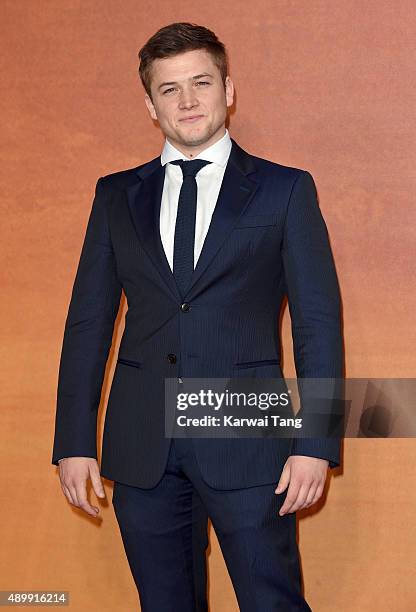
x: 150, y: 107
x: 229, y: 90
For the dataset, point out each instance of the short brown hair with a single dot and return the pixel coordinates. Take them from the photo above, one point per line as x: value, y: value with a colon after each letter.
x: 177, y: 38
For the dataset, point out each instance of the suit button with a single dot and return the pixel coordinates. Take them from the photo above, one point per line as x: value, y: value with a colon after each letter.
x: 172, y: 358
x: 185, y: 306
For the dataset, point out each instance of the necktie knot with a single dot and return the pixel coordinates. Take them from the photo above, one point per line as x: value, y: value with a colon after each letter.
x: 190, y: 167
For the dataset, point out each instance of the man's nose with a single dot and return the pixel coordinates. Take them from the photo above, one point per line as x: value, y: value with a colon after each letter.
x: 188, y: 98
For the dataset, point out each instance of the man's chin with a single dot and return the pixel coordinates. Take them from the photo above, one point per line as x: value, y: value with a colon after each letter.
x: 189, y: 138
x: 194, y: 139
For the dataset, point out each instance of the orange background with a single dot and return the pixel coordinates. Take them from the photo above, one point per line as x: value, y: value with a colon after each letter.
x: 327, y: 86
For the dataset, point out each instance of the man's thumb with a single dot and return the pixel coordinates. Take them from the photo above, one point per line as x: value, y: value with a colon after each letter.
x: 97, y: 484
x: 284, y: 479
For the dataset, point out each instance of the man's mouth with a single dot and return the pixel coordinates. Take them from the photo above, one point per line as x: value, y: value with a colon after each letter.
x: 191, y: 119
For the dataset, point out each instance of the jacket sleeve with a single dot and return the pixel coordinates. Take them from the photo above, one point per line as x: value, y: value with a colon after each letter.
x: 87, y: 337
x: 314, y: 302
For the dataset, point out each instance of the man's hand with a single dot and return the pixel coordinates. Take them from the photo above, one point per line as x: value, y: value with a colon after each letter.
x: 74, y: 473
x: 306, y: 479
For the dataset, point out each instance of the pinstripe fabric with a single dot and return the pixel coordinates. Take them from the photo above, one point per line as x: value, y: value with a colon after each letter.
x: 164, y: 532
x: 267, y: 239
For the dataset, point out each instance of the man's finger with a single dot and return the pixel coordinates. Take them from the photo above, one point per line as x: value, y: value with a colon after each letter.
x: 301, y: 497
x: 67, y: 493
x: 291, y: 496
x: 319, y: 491
x: 312, y: 498
x: 83, y: 502
x: 73, y: 492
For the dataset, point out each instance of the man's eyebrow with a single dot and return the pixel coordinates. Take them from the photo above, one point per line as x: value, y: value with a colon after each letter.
x: 197, y: 76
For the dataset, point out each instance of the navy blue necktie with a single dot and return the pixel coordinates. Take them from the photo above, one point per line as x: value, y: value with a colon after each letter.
x: 184, y: 242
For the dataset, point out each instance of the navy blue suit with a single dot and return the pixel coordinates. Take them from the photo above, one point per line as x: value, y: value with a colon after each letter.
x: 267, y: 239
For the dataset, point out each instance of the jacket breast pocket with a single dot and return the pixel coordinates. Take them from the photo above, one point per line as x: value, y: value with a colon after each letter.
x: 257, y: 220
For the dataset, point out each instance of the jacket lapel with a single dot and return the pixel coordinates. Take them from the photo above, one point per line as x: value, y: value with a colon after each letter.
x: 144, y: 201
x: 236, y: 192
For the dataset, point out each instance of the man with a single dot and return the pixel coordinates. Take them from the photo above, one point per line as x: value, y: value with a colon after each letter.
x: 205, y: 240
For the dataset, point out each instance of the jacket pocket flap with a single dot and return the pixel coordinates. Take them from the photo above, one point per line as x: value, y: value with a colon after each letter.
x: 256, y: 364
x: 130, y: 362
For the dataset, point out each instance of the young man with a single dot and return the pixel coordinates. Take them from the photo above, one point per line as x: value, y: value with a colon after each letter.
x: 205, y: 240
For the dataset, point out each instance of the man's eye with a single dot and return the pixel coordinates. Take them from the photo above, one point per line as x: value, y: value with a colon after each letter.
x: 197, y: 83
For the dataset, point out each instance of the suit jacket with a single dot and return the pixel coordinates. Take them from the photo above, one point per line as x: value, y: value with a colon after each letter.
x: 267, y: 239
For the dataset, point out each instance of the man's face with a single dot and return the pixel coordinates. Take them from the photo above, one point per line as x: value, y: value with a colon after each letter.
x: 189, y: 100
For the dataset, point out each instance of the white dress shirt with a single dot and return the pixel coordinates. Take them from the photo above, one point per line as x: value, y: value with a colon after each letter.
x: 208, y: 180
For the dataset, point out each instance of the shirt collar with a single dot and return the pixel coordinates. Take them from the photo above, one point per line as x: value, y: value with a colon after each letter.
x: 217, y: 153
